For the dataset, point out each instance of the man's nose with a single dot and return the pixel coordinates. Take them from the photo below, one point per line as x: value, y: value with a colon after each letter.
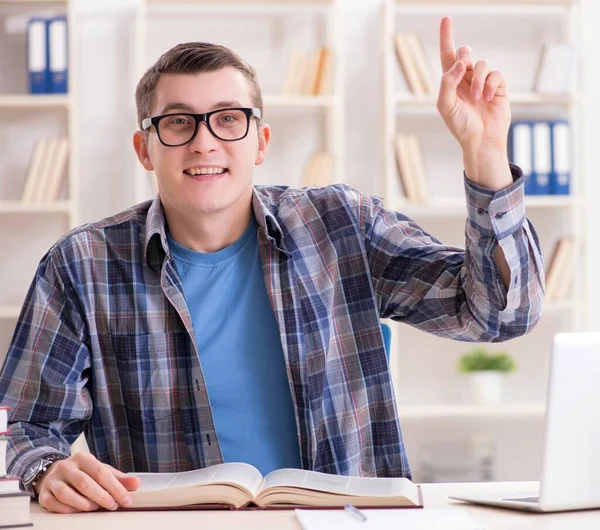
x: 204, y: 141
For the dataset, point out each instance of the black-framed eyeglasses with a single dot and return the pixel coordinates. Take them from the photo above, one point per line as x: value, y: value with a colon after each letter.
x: 176, y: 129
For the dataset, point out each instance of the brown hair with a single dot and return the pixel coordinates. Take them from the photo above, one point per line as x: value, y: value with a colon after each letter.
x: 192, y: 58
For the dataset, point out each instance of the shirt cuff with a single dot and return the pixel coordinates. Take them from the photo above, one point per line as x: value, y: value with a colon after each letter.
x: 22, y: 462
x: 497, y: 213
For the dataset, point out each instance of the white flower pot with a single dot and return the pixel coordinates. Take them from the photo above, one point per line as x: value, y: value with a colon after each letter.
x: 488, y: 386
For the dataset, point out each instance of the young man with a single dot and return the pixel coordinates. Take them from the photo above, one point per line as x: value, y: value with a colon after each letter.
x: 227, y: 322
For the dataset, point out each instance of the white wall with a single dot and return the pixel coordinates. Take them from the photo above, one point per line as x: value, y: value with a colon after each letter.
x: 591, y: 77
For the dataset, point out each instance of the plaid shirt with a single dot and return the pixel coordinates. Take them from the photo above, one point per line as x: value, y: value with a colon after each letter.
x: 105, y: 343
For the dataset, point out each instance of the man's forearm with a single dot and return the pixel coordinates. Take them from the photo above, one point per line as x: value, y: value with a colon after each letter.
x: 489, y: 168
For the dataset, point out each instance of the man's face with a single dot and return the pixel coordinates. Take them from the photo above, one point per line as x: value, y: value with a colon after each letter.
x: 180, y: 186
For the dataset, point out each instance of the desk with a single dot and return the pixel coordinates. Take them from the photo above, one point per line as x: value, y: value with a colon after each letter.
x: 434, y: 495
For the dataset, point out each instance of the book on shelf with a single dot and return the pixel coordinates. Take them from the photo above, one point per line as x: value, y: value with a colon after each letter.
x: 308, y: 74
x: 311, y: 72
x: 14, y: 503
x: 241, y: 486
x: 324, y: 81
x: 319, y: 170
x: 46, y: 172
x: 556, y: 69
x: 413, y: 63
x: 561, y: 268
x: 294, y: 73
x: 417, y: 52
x: 411, y: 169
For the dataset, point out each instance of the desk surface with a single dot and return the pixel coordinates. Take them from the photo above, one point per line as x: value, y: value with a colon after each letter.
x: 434, y: 495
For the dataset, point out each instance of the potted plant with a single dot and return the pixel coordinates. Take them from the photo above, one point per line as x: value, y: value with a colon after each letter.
x: 487, y: 371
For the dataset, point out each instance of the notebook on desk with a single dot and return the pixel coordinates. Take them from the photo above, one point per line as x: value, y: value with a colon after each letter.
x: 388, y: 519
x: 571, y: 464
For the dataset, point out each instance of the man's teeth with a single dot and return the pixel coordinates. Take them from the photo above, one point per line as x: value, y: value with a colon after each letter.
x: 205, y: 170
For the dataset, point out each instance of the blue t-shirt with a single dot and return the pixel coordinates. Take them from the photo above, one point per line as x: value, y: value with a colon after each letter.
x: 240, y: 351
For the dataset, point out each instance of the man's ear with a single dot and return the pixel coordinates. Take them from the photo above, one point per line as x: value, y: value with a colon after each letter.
x: 140, y: 144
x: 264, y: 137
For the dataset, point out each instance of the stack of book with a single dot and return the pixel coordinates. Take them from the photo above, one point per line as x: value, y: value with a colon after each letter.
x: 560, y: 272
x: 413, y: 62
x: 308, y: 75
x: 46, y: 171
x: 14, y: 503
x: 411, y: 169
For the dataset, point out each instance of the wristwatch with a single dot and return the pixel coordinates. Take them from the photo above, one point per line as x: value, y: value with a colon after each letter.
x: 37, y: 469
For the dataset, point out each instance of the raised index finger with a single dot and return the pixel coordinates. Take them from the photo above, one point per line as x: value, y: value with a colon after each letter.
x: 447, y: 49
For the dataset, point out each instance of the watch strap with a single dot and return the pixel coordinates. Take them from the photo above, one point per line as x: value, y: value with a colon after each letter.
x: 46, y: 462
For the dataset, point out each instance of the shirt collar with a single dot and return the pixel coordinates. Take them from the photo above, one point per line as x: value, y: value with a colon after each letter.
x: 156, y: 246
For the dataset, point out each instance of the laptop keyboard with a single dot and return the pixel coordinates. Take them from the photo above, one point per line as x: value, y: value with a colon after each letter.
x: 522, y: 499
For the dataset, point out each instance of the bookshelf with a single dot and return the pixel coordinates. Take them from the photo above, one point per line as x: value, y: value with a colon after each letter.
x: 510, y: 35
x: 30, y: 228
x: 265, y: 33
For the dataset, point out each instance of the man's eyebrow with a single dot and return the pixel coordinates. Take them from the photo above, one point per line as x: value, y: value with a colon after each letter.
x: 186, y: 108
x: 176, y: 106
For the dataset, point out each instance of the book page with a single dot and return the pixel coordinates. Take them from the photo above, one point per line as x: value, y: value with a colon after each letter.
x: 244, y: 475
x: 351, y: 486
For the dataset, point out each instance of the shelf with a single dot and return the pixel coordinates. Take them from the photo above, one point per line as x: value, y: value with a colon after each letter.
x: 10, y: 312
x: 427, y: 102
x: 509, y: 410
x: 235, y: 7
x: 20, y: 101
x: 21, y: 207
x: 298, y: 101
x: 484, y: 7
x: 457, y: 206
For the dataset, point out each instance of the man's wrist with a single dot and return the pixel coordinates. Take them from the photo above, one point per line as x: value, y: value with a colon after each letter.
x: 37, y: 470
x: 488, y: 167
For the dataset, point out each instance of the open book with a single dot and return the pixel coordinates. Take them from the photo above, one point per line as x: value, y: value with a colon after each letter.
x: 238, y: 485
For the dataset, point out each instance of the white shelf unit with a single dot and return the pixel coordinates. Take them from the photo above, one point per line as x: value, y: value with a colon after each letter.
x: 476, y: 412
x: 510, y: 35
x: 28, y: 230
x: 263, y: 33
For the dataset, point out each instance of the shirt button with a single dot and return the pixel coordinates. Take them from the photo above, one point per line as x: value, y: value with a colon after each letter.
x: 480, y: 211
x: 500, y: 215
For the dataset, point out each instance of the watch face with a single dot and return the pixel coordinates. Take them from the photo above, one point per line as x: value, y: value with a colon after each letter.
x: 31, y: 471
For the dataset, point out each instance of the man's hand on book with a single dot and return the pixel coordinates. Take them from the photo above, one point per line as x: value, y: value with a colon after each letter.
x: 473, y: 101
x: 81, y: 483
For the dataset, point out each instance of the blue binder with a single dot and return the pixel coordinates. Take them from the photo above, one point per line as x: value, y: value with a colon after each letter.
x: 542, y: 157
x: 37, y: 56
x: 58, y: 54
x: 520, y: 151
x: 561, y: 158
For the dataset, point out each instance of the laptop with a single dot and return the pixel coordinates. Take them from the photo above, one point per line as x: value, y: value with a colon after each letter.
x: 571, y: 461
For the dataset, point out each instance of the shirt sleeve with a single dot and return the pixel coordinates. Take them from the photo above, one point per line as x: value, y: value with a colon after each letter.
x: 44, y: 376
x: 454, y: 292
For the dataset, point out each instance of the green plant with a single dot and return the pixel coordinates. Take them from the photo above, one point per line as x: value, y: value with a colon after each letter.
x: 480, y: 359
